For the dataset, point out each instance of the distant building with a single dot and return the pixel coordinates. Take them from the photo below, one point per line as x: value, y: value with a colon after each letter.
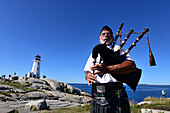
x: 35, y: 72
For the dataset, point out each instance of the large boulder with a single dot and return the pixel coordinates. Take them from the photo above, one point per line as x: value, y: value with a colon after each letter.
x: 5, y: 87
x: 40, y: 86
x: 54, y: 84
x: 18, y: 91
x: 36, y: 105
x: 35, y: 80
x: 71, y: 99
x: 35, y: 95
x: 2, y: 98
x: 24, y: 80
x: 21, y: 96
x: 59, y: 86
x: 76, y: 99
x: 14, y: 96
x: 55, y: 104
x: 6, y: 98
x: 86, y: 99
x: 57, y: 94
x: 77, y: 91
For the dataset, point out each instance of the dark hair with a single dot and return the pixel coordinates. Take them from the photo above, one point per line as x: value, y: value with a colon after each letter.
x: 106, y: 28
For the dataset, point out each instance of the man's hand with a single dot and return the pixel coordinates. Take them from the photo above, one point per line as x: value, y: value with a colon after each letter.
x: 90, y: 78
x: 101, y: 68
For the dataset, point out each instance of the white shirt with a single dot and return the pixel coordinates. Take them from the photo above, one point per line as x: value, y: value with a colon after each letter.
x: 106, y: 78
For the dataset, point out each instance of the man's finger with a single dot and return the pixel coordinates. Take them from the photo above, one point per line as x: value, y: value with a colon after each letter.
x: 95, y: 67
x: 88, y: 83
x: 91, y: 81
x: 92, y: 77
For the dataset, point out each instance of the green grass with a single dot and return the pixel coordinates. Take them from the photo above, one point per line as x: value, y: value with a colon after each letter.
x: 6, y: 93
x: 77, y: 109
x: 18, y: 86
x: 135, y: 109
x: 84, y: 109
x: 15, y: 84
x: 157, y: 103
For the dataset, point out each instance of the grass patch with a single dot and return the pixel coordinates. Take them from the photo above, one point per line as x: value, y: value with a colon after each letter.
x: 19, y: 86
x: 85, y: 109
x: 135, y: 108
x: 77, y: 109
x: 6, y: 93
x: 15, y: 84
x: 157, y: 103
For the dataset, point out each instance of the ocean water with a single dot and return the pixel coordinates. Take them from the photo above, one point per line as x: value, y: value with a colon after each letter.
x: 142, y: 91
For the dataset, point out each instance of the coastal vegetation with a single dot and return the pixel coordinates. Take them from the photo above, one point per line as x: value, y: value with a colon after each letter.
x: 18, y: 86
x: 77, y: 109
x: 156, y: 103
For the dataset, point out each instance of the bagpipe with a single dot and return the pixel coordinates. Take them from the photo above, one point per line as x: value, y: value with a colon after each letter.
x: 110, y: 57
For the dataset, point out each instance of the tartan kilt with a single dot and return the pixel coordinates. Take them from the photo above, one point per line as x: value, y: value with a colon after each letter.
x: 117, y: 102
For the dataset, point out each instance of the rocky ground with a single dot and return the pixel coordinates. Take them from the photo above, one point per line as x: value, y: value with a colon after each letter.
x: 31, y: 94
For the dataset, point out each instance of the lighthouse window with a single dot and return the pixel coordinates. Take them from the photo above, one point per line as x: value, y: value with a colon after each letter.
x: 37, y: 58
x: 37, y: 68
x: 38, y: 63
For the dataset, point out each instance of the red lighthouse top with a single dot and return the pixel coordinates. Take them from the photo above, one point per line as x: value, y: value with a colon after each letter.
x: 37, y: 57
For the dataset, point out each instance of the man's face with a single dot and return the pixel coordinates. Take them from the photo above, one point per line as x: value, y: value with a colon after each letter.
x: 106, y: 35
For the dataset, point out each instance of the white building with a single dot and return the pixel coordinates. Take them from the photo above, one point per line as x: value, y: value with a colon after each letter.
x: 35, y: 72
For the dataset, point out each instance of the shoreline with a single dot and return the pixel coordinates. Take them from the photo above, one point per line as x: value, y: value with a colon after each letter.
x: 125, y: 84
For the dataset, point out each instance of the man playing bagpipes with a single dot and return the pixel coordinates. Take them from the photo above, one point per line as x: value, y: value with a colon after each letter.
x: 107, y: 68
x: 114, y: 96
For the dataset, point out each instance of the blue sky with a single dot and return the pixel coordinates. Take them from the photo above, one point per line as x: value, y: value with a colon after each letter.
x: 64, y: 32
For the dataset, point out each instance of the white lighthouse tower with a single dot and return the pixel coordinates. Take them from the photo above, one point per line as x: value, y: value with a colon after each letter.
x: 35, y: 72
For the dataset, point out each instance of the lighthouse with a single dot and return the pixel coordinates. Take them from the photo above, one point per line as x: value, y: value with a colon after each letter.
x: 35, y: 72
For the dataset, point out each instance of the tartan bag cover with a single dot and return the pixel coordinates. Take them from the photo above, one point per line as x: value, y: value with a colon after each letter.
x: 109, y: 99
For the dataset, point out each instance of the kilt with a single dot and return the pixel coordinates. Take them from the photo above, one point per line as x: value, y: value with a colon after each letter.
x: 109, y: 98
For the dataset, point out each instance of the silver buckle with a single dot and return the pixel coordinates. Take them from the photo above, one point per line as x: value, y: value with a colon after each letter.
x: 100, y: 89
